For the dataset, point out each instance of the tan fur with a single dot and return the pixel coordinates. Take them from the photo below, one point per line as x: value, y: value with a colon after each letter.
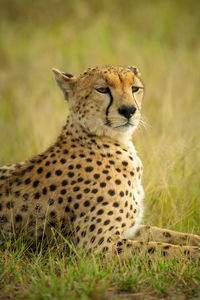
x: 88, y: 184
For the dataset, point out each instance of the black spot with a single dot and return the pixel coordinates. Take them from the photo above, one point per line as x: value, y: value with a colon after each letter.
x: 58, y: 172
x: 3, y: 219
x: 105, y: 172
x: 78, y: 228
x: 100, y: 212
x: 115, y: 204
x: 121, y: 194
x: 92, y: 239
x: 151, y: 250
x: 83, y: 233
x: 87, y: 182
x: 76, y: 206
x: 52, y: 214
x: 110, y: 213
x: 166, y: 234
x: 94, y: 191
x: 39, y: 170
x: 166, y: 247
x: 118, y: 219
x: 96, y: 176
x: 102, y: 184
x: 70, y: 174
x: 44, y: 191
x: 92, y: 208
x: 99, y: 163
x: 106, y: 222
x: 10, y: 204
x: 78, y: 166
x: 18, y: 218
x: 124, y: 163
x: 69, y: 199
x: 60, y: 200
x: 99, y: 230
x: 101, y: 241
x: 86, y: 190
x: 27, y: 181
x: 64, y: 182
x: 86, y: 203
x: 70, y: 167
x: 99, y: 199
x: 48, y: 175
x: 89, y: 160
x: 35, y: 183
x: 67, y: 209
x: 52, y: 187
x: 63, y: 192
x: 76, y: 188
x: 89, y: 169
x: 37, y: 195
x: 63, y: 161
x: 80, y: 179
x: 79, y: 196
x: 117, y: 181
x: 111, y: 192
x: 187, y: 252
x: 92, y: 227
x: 118, y: 152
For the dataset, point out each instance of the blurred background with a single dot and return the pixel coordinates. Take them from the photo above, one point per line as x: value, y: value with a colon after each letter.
x: 162, y: 38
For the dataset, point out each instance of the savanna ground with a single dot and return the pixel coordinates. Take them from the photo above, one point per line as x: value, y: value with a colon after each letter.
x: 162, y: 39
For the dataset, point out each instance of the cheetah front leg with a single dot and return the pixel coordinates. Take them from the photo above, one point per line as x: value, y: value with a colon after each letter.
x: 152, y: 233
x: 127, y: 248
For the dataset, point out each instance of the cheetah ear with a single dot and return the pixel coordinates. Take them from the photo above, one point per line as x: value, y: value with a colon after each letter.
x: 134, y: 70
x: 65, y: 81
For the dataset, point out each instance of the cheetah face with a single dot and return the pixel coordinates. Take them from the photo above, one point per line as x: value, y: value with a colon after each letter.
x: 104, y: 100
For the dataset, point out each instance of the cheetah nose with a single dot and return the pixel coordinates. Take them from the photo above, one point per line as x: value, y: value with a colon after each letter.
x: 127, y: 110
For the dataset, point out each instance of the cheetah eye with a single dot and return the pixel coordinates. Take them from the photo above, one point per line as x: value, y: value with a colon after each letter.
x: 102, y: 90
x: 135, y: 89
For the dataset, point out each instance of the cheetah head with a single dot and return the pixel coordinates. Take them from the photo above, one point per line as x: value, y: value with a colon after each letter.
x: 106, y: 101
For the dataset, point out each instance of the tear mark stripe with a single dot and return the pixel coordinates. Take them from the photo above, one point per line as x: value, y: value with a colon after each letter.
x: 108, y: 123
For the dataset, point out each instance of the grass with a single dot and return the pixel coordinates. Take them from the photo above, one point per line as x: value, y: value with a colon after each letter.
x: 162, y: 39
x: 51, y: 273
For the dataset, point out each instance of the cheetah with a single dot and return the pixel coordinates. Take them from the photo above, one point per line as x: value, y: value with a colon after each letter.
x: 87, y: 185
